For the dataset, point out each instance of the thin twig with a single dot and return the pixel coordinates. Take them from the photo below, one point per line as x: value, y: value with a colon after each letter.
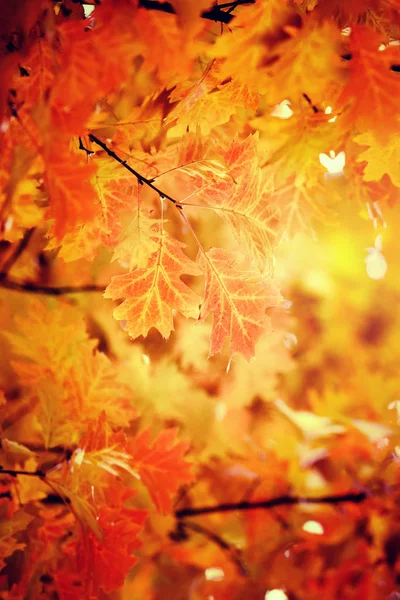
x: 16, y: 472
x: 34, y: 288
x: 141, y: 179
x: 353, y: 497
x: 12, y: 259
x: 232, y: 551
x: 216, y: 13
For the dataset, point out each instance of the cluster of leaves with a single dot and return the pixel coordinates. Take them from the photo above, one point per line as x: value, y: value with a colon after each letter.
x: 217, y: 170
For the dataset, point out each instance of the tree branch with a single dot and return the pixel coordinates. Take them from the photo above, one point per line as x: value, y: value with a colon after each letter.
x: 12, y: 259
x: 16, y: 472
x: 216, y: 13
x: 353, y: 497
x: 141, y: 180
x: 34, y: 288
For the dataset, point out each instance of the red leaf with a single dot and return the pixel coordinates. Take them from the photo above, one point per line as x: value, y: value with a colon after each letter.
x: 161, y: 465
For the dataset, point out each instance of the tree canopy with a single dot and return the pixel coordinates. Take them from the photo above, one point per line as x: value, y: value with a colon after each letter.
x: 199, y: 287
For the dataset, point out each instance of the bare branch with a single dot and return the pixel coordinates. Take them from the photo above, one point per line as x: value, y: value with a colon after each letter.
x: 12, y: 259
x: 353, y: 497
x: 215, y: 13
x: 34, y: 288
x: 233, y: 553
x: 16, y: 472
x: 141, y: 180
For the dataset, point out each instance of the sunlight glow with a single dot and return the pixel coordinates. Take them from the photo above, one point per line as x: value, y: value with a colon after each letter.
x: 313, y: 527
x: 375, y: 261
x: 9, y: 223
x: 214, y: 574
x: 79, y: 456
x: 88, y: 9
x: 275, y: 595
x: 333, y: 163
x: 282, y: 110
x: 220, y: 411
x: 395, y: 405
x: 146, y: 359
x: 290, y: 341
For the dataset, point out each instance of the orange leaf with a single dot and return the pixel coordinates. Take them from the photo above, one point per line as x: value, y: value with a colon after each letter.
x: 371, y: 93
x: 94, y: 386
x: 161, y: 465
x: 241, y: 203
x: 152, y: 292
x: 73, y: 199
x: 106, y: 563
x: 238, y: 297
x: 8, y: 543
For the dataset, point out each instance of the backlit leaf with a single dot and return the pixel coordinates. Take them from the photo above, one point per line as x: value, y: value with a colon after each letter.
x: 238, y: 299
x: 161, y: 465
x: 150, y: 293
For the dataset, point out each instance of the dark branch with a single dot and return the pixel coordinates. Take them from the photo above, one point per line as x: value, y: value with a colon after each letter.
x: 15, y: 473
x: 34, y: 288
x: 180, y: 534
x: 12, y: 259
x: 141, y: 180
x: 216, y: 13
x: 354, y: 497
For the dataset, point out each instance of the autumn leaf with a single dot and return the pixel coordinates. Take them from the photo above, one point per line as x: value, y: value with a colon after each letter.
x: 306, y: 61
x: 138, y: 242
x: 300, y: 207
x: 73, y: 94
x: 8, y: 543
x: 150, y: 293
x: 209, y: 93
x: 48, y: 354
x: 381, y: 158
x: 369, y: 97
x: 73, y: 200
x: 94, y: 385
x: 167, y: 54
x: 250, y: 32
x: 238, y: 297
x: 241, y: 200
x: 161, y: 465
x: 106, y: 563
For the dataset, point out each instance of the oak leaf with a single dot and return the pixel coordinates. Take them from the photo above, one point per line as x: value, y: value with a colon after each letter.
x: 138, y: 240
x: 381, y: 158
x: 252, y: 31
x: 306, y: 61
x: 94, y: 385
x: 75, y: 90
x: 73, y: 200
x: 238, y: 297
x: 161, y: 465
x: 105, y: 563
x: 370, y: 95
x: 241, y: 200
x: 151, y: 293
x: 164, y: 46
x: 211, y: 94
